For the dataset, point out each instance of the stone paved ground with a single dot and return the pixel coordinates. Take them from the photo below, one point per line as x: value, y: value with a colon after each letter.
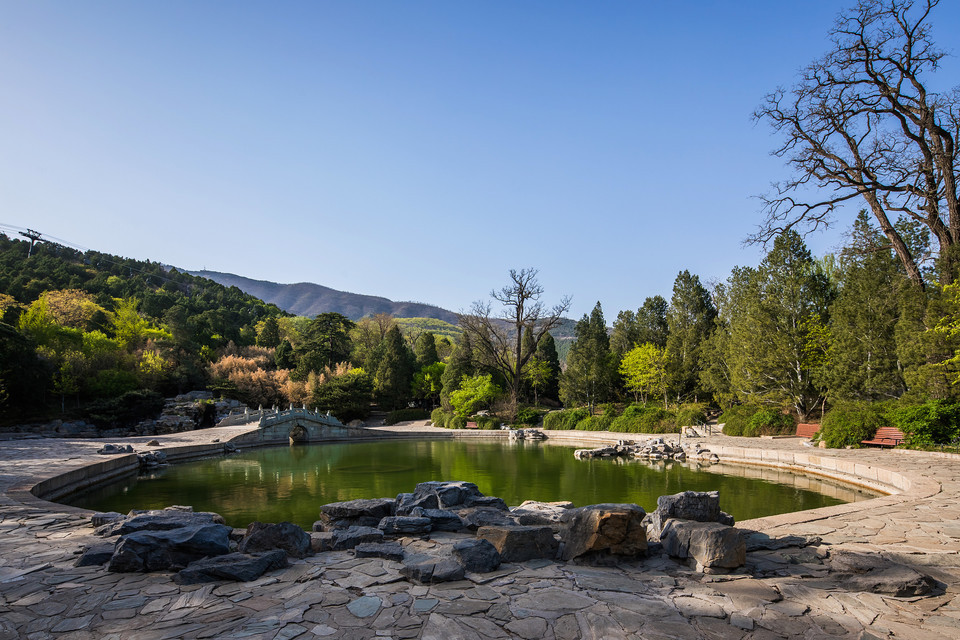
x: 785, y: 594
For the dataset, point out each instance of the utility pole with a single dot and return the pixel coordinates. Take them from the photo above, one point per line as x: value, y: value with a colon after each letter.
x: 34, y: 239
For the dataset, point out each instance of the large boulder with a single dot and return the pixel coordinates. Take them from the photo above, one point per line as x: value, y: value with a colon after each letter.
x: 164, y: 520
x: 876, y: 574
x: 285, y: 535
x: 701, y: 506
x: 405, y: 525
x: 409, y: 503
x: 344, y: 539
x: 172, y: 549
x: 517, y: 543
x: 453, y: 495
x: 475, y: 517
x: 232, y: 566
x: 604, y: 529
x: 356, y: 513
x: 476, y: 556
x: 441, y: 519
x: 95, y: 555
x: 532, y: 512
x: 711, y: 544
x: 385, y: 550
x: 431, y: 570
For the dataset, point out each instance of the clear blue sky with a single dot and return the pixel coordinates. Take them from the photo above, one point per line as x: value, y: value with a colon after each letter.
x: 414, y: 150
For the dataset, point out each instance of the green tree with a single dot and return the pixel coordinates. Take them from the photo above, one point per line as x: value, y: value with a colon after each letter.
x: 326, y: 343
x: 268, y: 333
x: 645, y: 372
x: 425, y: 349
x: 768, y: 313
x: 461, y: 364
x: 393, y: 377
x: 428, y: 382
x: 862, y: 362
x: 590, y: 365
x: 475, y: 393
x: 690, y: 319
x: 545, y: 379
x: 347, y: 397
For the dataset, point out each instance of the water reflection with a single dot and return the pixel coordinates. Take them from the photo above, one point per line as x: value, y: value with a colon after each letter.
x: 282, y: 483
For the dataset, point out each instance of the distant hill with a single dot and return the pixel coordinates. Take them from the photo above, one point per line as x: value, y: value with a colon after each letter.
x: 308, y: 299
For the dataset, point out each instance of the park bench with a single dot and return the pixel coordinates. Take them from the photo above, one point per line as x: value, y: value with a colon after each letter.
x: 886, y: 437
x: 807, y: 430
x: 472, y: 425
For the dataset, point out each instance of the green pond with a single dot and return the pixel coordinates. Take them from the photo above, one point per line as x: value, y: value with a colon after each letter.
x: 290, y: 483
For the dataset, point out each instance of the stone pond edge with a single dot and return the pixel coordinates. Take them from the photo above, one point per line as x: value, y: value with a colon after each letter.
x: 899, y: 486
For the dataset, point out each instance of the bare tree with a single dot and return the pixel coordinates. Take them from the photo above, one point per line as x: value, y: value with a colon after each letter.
x: 862, y: 123
x: 498, y: 339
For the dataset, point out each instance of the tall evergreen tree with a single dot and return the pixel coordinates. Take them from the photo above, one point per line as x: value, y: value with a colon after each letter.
x: 590, y: 366
x: 326, y: 342
x: 862, y: 361
x: 652, y: 323
x: 547, y: 354
x: 689, y: 321
x: 775, y: 316
x: 393, y: 378
x: 425, y: 349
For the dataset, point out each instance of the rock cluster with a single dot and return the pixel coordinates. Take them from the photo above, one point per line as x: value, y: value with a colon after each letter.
x: 526, y: 434
x: 152, y: 459
x: 653, y: 449
x: 113, y: 449
x: 468, y: 532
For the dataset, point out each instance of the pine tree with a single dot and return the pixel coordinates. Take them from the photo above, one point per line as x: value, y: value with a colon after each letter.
x: 425, y: 350
x: 590, y: 366
x: 461, y: 365
x: 393, y: 377
x: 689, y: 320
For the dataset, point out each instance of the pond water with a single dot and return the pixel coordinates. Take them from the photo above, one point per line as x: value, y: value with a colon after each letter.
x: 291, y: 483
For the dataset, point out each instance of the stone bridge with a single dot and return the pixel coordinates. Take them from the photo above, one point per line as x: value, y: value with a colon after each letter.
x: 302, y: 426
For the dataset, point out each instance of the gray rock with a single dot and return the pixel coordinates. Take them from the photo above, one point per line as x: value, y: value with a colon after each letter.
x: 165, y: 520
x: 285, y: 535
x: 232, y: 566
x: 616, y: 529
x: 532, y: 512
x: 442, y: 519
x: 95, y: 555
x: 711, y: 544
x: 701, y: 506
x: 100, y: 519
x: 477, y: 556
x: 349, y: 538
x: 365, y: 606
x: 876, y: 574
x: 450, y: 494
x: 386, y: 550
x: 403, y: 525
x: 517, y: 543
x: 475, y: 517
x: 486, y: 501
x: 433, y: 571
x: 353, y: 513
x: 407, y: 503
x: 171, y: 549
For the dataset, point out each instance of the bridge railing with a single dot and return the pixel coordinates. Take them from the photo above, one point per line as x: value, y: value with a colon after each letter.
x: 288, y: 415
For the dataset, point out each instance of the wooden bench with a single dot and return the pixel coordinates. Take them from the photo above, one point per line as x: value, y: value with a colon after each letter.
x: 886, y: 437
x: 472, y: 425
x: 807, y: 430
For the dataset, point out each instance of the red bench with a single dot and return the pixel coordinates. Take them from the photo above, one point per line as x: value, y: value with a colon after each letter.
x: 886, y: 437
x: 472, y: 425
x: 806, y: 430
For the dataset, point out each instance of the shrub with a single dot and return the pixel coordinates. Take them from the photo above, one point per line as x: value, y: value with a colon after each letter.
x: 528, y: 416
x: 769, y: 422
x: 691, y: 414
x: 125, y: 410
x: 562, y: 420
x: 735, y: 419
x: 931, y: 423
x: 438, y: 417
x: 405, y: 415
x: 638, y: 418
x: 488, y: 423
x: 595, y: 423
x: 457, y: 422
x: 846, y: 425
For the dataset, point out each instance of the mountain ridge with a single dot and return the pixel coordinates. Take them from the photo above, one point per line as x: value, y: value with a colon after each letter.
x: 310, y: 299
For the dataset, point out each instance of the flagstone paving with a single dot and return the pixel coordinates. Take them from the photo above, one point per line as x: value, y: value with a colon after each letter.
x: 787, y: 593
